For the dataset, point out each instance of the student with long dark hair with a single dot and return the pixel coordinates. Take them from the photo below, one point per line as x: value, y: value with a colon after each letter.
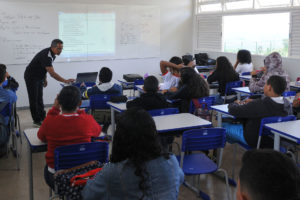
x: 223, y: 74
x: 191, y: 86
x: 138, y: 168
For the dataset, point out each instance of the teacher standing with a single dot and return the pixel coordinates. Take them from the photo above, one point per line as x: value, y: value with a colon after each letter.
x: 36, y: 78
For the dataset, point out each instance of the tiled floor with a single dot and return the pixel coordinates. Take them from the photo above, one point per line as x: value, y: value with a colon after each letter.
x: 14, y: 184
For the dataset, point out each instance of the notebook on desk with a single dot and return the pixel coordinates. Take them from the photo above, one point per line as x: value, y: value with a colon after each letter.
x: 86, y: 77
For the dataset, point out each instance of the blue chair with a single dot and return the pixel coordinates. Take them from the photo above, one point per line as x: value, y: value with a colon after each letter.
x: 137, y: 82
x: 73, y: 155
x: 163, y: 111
x: 98, y: 101
x: 199, y: 163
x: 262, y: 132
x: 12, y: 122
x: 209, y: 101
x: 246, y: 73
x: 229, y: 91
x: 289, y: 93
x: 77, y: 154
x: 268, y: 120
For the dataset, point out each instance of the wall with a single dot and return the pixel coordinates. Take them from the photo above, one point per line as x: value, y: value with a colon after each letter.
x: 291, y: 65
x: 176, y: 39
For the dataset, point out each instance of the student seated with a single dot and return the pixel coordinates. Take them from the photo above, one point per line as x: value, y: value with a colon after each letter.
x: 65, y: 124
x: 252, y: 111
x: 150, y: 99
x: 7, y: 96
x: 171, y: 76
x: 105, y: 86
x: 137, y: 169
x: 10, y: 82
x: 268, y: 175
x: 272, y: 66
x: 191, y: 86
x: 223, y: 74
x: 243, y: 62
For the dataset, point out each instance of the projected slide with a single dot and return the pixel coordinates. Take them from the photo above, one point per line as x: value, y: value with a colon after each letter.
x: 91, y: 34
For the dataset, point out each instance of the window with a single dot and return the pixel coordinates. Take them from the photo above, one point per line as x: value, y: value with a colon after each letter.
x: 296, y: 2
x: 238, y: 4
x: 272, y: 3
x: 210, y: 5
x: 259, y: 33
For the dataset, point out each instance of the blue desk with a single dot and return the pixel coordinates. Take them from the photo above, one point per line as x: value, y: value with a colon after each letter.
x: 221, y: 110
x: 242, y: 90
x: 288, y: 130
x: 245, y: 77
x: 164, y: 123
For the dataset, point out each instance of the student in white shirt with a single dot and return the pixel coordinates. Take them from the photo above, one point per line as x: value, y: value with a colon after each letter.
x: 170, y: 72
x: 243, y: 62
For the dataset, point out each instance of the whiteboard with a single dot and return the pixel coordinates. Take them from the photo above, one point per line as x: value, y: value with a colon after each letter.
x: 116, y: 31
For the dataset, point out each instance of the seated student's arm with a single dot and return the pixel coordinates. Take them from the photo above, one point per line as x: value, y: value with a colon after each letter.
x: 165, y: 64
x: 257, y: 85
x: 99, y: 187
x: 248, y: 110
x: 54, y: 111
x: 213, y: 77
x: 181, y: 93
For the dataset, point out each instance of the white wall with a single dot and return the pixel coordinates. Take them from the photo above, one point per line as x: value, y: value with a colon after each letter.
x: 176, y: 39
x: 291, y: 65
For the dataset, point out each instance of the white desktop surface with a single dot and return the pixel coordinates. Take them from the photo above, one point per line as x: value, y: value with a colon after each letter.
x: 288, y: 129
x: 179, y: 121
x: 245, y: 77
x: 221, y: 108
x: 242, y: 90
x: 293, y: 85
x: 117, y: 106
x: 31, y: 136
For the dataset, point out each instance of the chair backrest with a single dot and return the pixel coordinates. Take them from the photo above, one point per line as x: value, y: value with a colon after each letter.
x: 245, y: 73
x: 139, y: 82
x: 230, y: 85
x: 203, y: 139
x: 289, y: 93
x: 269, y: 120
x: 163, y: 111
x: 98, y: 101
x: 209, y: 101
x: 76, y: 154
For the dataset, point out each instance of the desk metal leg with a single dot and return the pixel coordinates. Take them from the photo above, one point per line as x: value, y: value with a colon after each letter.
x: 276, y: 141
x: 239, y: 96
x: 30, y: 173
x: 219, y: 119
x: 112, y: 115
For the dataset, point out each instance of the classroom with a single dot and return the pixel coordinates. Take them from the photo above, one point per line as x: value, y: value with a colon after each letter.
x: 246, y: 121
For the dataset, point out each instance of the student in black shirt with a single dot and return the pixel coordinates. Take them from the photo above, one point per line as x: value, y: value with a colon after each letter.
x: 252, y: 111
x: 223, y: 74
x: 151, y: 99
x: 36, y: 78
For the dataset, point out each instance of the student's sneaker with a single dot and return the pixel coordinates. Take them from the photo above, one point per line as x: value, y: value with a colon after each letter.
x: 37, y: 123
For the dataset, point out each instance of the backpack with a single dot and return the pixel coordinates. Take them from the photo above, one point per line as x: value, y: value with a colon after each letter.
x: 202, y: 110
